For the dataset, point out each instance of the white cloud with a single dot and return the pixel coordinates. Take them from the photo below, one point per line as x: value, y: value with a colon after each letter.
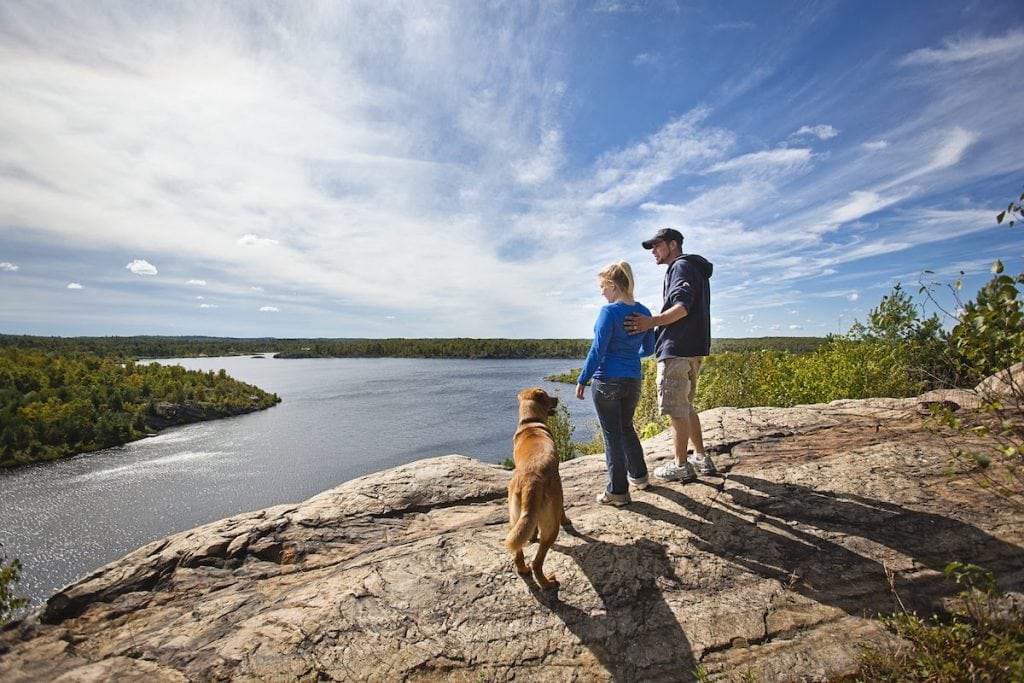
x: 959, y: 50
x: 542, y: 165
x: 784, y: 159
x: 198, y: 283
x: 876, y: 145
x: 858, y: 205
x: 822, y: 132
x: 796, y: 327
x: 8, y: 267
x: 251, y: 240
x: 208, y: 306
x: 951, y: 149
x: 269, y: 309
x: 75, y: 285
x: 256, y: 288
x: 200, y: 297
x: 142, y: 267
x: 627, y: 176
x: 853, y: 296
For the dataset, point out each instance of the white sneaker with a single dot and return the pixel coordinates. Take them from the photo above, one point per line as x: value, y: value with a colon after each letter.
x: 605, y: 498
x: 674, y: 472
x: 702, y: 464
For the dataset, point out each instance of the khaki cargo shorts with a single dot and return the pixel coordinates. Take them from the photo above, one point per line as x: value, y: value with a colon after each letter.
x: 677, y: 385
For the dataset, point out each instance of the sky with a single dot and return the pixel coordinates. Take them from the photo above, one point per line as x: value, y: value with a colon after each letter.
x: 465, y: 169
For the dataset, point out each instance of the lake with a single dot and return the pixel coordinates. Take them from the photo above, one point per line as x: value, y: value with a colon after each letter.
x: 339, y: 419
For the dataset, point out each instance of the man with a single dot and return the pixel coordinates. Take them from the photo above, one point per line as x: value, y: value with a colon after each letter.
x: 683, y: 339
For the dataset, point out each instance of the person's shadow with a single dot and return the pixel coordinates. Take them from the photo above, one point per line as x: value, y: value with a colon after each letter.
x: 636, y: 637
x: 931, y: 540
x: 821, y: 569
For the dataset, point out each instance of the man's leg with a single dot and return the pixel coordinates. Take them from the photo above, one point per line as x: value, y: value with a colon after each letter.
x: 696, y: 434
x: 680, y: 436
x: 700, y: 461
x: 673, y: 392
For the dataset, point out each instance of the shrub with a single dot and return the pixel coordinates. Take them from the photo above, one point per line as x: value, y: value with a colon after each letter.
x: 983, y: 640
x: 10, y: 575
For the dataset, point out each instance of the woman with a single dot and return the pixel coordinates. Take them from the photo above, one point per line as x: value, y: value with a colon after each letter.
x: 614, y: 365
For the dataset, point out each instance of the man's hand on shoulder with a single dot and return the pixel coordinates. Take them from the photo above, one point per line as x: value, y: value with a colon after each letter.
x: 637, y: 323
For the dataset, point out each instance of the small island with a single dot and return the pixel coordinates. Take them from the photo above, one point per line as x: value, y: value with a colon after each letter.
x: 56, y: 404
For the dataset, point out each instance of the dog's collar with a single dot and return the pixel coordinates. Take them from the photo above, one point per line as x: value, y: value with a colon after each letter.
x: 528, y: 420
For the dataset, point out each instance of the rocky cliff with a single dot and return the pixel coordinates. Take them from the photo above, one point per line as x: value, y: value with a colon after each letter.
x: 773, y: 569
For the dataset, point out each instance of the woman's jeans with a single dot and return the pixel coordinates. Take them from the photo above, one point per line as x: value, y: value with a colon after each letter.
x: 615, y: 400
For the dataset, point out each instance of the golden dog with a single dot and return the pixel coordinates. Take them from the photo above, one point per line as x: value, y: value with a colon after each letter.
x: 535, y: 505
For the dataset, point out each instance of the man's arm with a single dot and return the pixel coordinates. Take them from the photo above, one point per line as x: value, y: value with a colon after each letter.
x: 638, y: 324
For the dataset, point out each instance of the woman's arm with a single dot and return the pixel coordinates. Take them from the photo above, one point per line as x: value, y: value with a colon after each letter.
x: 598, y: 349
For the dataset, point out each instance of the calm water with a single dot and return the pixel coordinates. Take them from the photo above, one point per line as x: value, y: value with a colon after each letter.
x: 339, y: 419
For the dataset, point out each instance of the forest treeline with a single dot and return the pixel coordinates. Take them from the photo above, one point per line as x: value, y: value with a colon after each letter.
x: 127, y: 348
x: 58, y: 403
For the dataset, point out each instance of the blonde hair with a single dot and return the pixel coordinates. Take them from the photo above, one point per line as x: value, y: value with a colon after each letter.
x: 619, y: 274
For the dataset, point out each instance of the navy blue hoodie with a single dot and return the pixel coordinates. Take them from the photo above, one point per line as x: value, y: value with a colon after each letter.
x: 686, y: 283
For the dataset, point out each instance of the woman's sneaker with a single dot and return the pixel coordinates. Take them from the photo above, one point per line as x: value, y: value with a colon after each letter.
x: 674, y: 472
x: 641, y: 483
x: 618, y: 500
x: 702, y: 464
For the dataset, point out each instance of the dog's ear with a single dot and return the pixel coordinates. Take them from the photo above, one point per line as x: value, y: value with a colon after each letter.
x: 532, y: 394
x: 553, y: 404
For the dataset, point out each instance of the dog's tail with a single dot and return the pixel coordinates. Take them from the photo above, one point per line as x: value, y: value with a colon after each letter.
x: 522, y: 531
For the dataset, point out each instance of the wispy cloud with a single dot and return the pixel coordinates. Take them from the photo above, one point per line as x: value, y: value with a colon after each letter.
x: 822, y: 131
x: 628, y: 176
x: 198, y: 283
x: 142, y: 267
x: 646, y: 59
x: 783, y: 159
x: 8, y: 267
x: 75, y: 285
x: 958, y: 50
x: 269, y: 309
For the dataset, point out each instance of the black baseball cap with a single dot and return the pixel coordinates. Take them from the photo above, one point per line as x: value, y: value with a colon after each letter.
x: 665, y: 235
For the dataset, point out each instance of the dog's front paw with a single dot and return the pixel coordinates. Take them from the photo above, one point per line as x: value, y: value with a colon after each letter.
x: 547, y: 582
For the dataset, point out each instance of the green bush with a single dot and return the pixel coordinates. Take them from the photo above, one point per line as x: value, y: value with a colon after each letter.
x: 10, y: 575
x: 983, y: 640
x: 562, y: 430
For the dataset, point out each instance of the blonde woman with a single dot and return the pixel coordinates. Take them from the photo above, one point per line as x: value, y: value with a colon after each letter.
x: 614, y: 365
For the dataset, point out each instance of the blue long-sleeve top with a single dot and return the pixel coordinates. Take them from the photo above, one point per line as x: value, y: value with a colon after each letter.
x: 615, y: 353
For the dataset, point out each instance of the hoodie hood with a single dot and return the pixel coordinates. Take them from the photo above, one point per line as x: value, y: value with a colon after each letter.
x: 701, y: 263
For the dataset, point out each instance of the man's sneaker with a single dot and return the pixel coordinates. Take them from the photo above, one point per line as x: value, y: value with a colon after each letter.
x: 703, y: 465
x: 674, y: 472
x: 641, y: 483
x: 618, y: 500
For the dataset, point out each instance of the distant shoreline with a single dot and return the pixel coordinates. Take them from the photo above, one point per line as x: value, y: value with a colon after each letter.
x: 159, y: 347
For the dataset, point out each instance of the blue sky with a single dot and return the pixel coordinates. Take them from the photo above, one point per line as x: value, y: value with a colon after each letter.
x: 464, y: 169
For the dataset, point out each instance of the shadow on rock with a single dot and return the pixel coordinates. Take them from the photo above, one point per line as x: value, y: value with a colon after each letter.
x: 795, y: 546
x: 807, y: 564
x: 929, y: 539
x: 636, y: 637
